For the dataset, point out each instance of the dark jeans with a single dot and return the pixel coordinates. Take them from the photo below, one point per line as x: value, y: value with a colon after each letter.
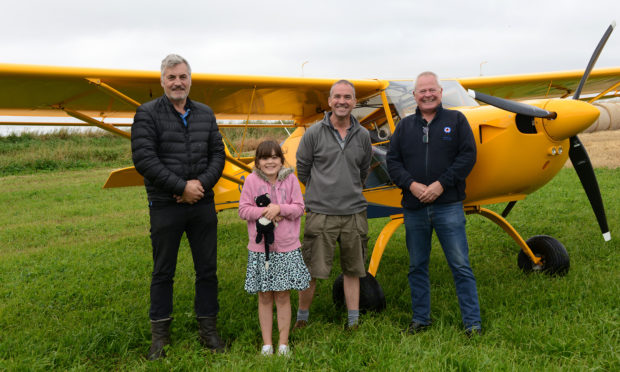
x: 199, y: 222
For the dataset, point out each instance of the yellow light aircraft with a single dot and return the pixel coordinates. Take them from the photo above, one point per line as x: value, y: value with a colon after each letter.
x: 521, y: 145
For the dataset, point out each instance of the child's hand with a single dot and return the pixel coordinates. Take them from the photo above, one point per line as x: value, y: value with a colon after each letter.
x: 278, y: 219
x: 271, y: 211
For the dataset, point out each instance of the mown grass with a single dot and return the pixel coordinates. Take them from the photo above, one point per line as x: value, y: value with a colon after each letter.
x: 75, y: 263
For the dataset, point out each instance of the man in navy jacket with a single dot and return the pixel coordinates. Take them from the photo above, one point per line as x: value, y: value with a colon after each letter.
x: 177, y: 147
x: 431, y: 153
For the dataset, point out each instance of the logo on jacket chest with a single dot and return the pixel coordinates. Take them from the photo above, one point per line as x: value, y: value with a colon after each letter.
x: 447, y: 133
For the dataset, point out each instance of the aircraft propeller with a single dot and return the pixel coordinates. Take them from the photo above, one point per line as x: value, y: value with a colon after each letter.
x: 512, y: 106
x: 578, y: 155
x: 577, y: 152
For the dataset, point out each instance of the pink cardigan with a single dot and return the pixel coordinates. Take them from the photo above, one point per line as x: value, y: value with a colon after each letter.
x: 287, y: 194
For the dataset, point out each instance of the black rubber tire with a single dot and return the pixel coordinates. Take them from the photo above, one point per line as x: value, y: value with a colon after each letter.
x: 554, y: 256
x: 372, y: 297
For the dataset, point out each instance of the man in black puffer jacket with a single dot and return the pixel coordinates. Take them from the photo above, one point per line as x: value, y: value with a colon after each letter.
x: 177, y: 147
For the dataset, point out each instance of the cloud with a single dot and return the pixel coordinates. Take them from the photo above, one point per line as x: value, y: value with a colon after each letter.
x: 355, y: 39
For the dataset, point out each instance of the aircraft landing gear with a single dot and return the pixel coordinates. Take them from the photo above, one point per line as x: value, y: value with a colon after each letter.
x: 553, y: 255
x: 539, y: 253
x: 372, y: 297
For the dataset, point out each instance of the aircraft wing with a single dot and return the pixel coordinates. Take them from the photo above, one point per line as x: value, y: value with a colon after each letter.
x: 545, y: 85
x: 29, y: 90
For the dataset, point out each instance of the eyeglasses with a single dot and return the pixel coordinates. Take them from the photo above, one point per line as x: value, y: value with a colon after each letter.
x: 431, y: 91
x: 425, y: 136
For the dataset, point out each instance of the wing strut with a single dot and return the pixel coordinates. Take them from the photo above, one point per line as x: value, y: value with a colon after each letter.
x: 388, y: 112
x: 604, y: 92
x: 97, y: 123
x: 113, y: 92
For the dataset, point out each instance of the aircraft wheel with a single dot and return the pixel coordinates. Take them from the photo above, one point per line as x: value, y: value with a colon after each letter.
x: 555, y: 260
x: 372, y: 297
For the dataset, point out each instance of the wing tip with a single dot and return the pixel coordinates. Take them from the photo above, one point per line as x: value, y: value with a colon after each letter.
x: 607, y: 236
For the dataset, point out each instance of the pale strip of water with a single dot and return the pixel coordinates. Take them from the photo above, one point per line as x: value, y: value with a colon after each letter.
x: 6, y: 130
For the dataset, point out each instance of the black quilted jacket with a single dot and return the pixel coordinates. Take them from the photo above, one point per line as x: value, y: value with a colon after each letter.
x: 167, y: 153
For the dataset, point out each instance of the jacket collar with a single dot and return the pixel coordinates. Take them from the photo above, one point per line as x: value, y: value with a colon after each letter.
x: 188, y: 103
x: 282, y: 174
x: 437, y: 112
x: 355, y: 125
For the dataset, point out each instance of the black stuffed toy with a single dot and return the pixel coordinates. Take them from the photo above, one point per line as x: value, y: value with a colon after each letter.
x: 264, y: 227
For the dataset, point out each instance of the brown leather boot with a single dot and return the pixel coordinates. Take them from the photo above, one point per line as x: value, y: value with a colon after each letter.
x: 160, y: 337
x: 208, y: 334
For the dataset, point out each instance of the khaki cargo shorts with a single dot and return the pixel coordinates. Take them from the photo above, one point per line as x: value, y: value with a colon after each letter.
x: 321, y: 234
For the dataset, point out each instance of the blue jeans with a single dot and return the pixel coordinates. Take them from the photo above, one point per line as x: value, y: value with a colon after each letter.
x: 448, y: 220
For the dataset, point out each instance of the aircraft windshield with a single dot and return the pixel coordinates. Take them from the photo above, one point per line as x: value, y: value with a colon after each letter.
x: 399, y: 94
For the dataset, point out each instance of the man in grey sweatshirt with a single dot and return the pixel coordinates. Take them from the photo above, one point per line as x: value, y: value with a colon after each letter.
x: 333, y: 160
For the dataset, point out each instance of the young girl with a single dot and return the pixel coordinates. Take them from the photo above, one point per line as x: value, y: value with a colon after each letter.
x: 286, y: 268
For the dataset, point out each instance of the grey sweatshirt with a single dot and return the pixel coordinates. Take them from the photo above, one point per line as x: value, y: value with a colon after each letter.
x: 334, y: 177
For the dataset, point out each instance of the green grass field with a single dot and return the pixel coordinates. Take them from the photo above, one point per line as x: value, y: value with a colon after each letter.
x: 75, y: 264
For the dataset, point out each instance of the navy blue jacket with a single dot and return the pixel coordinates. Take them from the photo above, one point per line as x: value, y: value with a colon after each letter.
x: 448, y: 157
x: 168, y: 154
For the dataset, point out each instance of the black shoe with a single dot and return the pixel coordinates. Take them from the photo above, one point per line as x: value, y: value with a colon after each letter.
x: 473, y: 331
x: 300, y: 324
x: 415, y: 327
x: 351, y: 328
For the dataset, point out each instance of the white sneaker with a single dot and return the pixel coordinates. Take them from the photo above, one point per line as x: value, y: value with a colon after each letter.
x: 284, y: 350
x: 267, y: 350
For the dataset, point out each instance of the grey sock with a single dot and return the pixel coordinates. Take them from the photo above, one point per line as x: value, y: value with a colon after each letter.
x: 353, y: 317
x: 303, y: 314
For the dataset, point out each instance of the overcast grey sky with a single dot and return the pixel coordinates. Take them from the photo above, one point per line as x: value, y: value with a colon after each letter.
x: 349, y: 39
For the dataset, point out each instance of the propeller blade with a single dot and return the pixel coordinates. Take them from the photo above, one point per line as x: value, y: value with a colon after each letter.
x: 594, y: 58
x: 511, y: 106
x: 581, y: 162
